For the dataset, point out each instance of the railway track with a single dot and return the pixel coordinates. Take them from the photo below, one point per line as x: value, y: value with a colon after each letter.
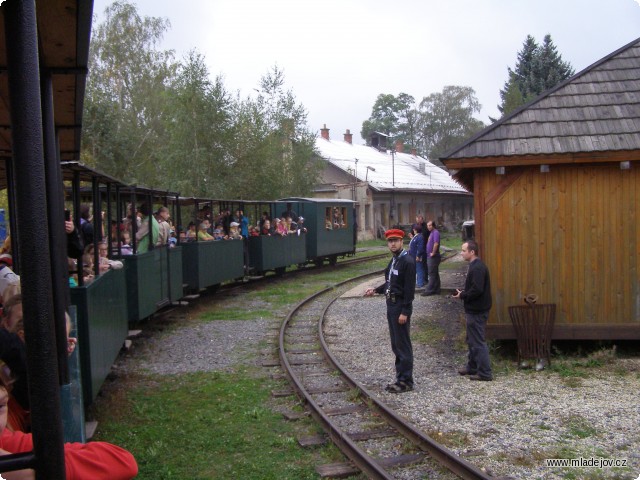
x: 372, y: 436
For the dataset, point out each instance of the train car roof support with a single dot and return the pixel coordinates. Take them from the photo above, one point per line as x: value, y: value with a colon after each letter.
x: 26, y: 119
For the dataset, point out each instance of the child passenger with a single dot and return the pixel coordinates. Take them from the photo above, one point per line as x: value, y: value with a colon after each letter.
x: 94, y: 460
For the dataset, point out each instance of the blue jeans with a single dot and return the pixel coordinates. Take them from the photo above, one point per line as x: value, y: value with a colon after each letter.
x: 419, y: 274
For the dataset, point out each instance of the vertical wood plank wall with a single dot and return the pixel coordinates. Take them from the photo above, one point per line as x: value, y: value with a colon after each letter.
x: 571, y: 236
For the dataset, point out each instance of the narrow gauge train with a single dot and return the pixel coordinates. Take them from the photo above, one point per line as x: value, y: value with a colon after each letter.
x: 43, y: 65
x: 162, y: 276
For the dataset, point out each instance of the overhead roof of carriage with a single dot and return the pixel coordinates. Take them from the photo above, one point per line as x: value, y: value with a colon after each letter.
x: 64, y: 31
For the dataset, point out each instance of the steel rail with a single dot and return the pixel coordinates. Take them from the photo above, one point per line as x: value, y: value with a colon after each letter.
x: 361, y: 459
x: 341, y: 439
x: 439, y: 452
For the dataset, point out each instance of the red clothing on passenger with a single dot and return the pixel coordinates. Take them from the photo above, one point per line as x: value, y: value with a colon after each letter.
x: 83, y: 461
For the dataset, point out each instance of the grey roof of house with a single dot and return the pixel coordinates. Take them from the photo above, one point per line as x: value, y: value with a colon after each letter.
x: 402, y: 172
x: 598, y: 109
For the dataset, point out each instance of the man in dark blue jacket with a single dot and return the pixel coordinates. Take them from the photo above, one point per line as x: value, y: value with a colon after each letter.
x: 399, y: 287
x: 477, y: 303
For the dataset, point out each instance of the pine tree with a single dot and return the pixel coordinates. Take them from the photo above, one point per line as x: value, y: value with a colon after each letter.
x: 538, y: 68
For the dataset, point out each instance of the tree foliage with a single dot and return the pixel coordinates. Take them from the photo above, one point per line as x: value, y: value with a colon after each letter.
x: 437, y: 123
x: 166, y: 124
x: 125, y: 93
x: 538, y: 68
x: 447, y: 119
x: 273, y: 154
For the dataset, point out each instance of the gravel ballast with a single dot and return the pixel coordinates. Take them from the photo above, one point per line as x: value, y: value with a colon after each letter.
x: 508, y: 426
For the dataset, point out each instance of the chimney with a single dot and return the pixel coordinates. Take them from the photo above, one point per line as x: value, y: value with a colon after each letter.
x: 348, y: 137
x: 399, y: 146
x: 414, y: 152
x: 324, y: 132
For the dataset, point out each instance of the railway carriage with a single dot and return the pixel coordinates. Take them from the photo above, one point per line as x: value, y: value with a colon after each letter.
x: 330, y: 225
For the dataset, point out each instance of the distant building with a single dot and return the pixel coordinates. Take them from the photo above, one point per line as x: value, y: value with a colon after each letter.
x: 390, y: 187
x: 557, y: 202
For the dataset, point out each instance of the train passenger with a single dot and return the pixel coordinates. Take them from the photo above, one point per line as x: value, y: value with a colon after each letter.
x: 234, y: 231
x: 88, y: 273
x: 225, y: 219
x: 5, y: 252
x: 265, y: 216
x: 125, y: 243
x: 142, y: 236
x: 7, y: 278
x: 300, y: 228
x: 266, y: 228
x: 173, y: 240
x: 218, y: 233
x: 290, y: 213
x: 14, y: 358
x: 281, y: 227
x: 243, y: 223
x: 203, y: 235
x: 94, y: 460
x: 254, y: 231
x: 164, y: 228
x: 191, y: 233
x: 128, y: 220
x: 75, y: 244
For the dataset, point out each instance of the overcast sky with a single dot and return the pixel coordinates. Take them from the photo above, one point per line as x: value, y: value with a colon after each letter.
x: 339, y: 55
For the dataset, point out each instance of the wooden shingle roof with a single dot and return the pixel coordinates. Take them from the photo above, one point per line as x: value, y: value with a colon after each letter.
x: 596, y: 110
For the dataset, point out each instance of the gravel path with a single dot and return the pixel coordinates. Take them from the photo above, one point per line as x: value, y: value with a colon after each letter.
x: 508, y: 426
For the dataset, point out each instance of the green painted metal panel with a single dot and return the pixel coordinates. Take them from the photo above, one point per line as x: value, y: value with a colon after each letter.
x: 321, y: 241
x: 102, y: 327
x: 146, y: 283
x: 210, y: 263
x: 267, y: 252
x: 176, y: 291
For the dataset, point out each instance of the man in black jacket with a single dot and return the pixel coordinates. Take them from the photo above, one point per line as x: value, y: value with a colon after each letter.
x: 477, y: 303
x: 399, y: 289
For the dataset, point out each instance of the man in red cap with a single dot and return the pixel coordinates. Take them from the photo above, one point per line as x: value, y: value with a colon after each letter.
x: 399, y: 288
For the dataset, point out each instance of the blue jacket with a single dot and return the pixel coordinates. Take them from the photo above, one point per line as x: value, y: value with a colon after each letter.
x: 416, y: 245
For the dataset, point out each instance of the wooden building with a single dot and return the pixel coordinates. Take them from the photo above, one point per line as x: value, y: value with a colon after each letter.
x: 557, y: 202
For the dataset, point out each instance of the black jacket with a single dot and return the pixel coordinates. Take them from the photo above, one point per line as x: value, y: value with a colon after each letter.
x: 402, y: 281
x: 477, y: 288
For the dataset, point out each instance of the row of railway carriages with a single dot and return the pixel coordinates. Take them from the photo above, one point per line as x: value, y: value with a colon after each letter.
x: 162, y: 276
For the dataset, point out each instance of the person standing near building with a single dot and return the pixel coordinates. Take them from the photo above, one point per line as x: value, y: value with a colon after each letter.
x: 416, y: 250
x: 477, y: 303
x: 433, y: 260
x: 399, y: 288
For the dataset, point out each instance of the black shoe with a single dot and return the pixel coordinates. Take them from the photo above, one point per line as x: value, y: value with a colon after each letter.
x: 427, y: 294
x: 399, y: 387
x: 464, y: 371
x: 480, y: 379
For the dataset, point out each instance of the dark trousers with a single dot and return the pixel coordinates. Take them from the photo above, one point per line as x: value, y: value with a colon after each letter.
x: 433, y: 284
x: 478, y: 361
x: 400, y: 343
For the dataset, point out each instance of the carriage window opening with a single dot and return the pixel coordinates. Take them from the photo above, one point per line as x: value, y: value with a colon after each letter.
x: 328, y: 223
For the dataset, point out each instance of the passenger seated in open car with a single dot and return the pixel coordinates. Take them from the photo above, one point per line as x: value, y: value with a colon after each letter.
x: 203, y: 235
x: 93, y: 460
x: 266, y: 228
x: 281, y: 227
x: 234, y: 231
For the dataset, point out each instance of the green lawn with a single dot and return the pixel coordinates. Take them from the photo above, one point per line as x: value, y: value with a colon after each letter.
x: 222, y: 425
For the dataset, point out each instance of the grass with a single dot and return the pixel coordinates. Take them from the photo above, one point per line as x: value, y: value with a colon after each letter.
x: 206, y: 425
x: 222, y: 425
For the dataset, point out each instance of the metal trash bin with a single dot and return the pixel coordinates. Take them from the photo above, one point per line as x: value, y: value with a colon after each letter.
x: 534, y: 327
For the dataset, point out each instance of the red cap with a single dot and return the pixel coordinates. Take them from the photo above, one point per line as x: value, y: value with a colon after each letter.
x: 394, y: 233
